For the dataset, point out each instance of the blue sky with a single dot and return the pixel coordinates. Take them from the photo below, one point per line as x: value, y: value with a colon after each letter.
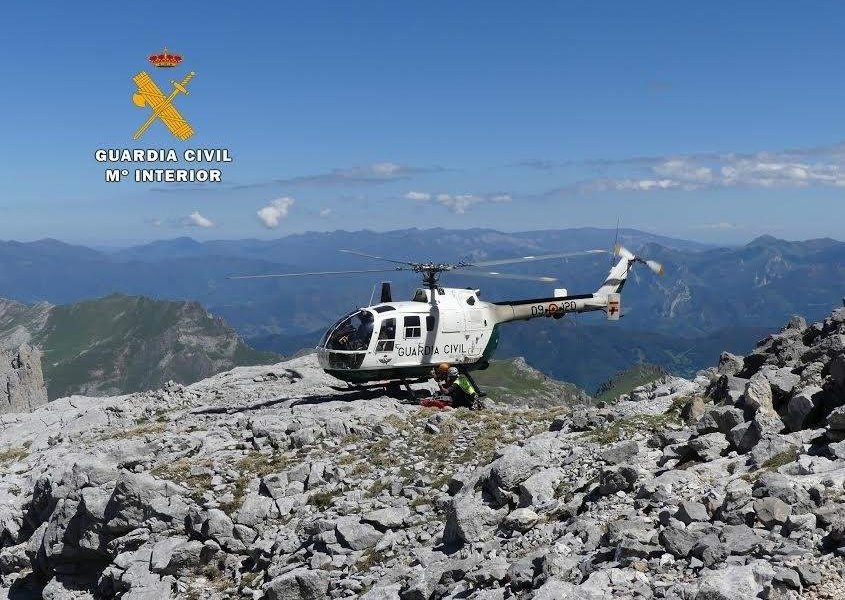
x: 714, y: 121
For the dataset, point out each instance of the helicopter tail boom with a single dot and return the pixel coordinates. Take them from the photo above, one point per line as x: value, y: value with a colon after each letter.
x: 607, y: 298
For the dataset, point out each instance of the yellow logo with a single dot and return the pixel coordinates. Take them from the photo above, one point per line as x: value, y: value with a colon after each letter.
x: 149, y: 94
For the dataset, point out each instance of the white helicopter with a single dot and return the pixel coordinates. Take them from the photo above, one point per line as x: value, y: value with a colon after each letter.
x: 397, y: 343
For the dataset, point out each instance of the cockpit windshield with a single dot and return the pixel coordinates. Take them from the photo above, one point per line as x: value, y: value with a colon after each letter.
x: 351, y: 333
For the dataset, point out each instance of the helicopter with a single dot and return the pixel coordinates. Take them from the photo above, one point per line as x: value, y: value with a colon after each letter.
x: 395, y: 343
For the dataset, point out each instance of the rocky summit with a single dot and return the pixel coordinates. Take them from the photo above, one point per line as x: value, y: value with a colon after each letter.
x: 266, y: 483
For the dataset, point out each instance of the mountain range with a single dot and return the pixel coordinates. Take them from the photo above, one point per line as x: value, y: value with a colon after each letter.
x: 121, y: 344
x: 710, y: 299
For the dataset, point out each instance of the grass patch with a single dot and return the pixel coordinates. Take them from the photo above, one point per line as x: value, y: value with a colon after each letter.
x: 369, y: 559
x: 377, y: 488
x: 10, y: 455
x: 144, y: 429
x: 441, y: 480
x: 781, y: 458
x: 622, y: 429
x: 180, y: 472
x: 253, y: 464
x: 379, y: 455
x: 323, y: 500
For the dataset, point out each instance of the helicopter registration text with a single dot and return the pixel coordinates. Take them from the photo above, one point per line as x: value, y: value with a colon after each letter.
x: 550, y: 309
x: 421, y: 350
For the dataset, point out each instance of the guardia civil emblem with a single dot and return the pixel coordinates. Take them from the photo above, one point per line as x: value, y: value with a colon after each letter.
x: 161, y: 107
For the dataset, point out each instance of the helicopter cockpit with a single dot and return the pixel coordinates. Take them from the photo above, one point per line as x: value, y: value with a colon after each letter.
x: 345, y: 343
x: 352, y: 332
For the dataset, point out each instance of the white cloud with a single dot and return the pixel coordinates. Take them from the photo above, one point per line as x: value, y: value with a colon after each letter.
x: 418, y: 196
x: 458, y: 203
x: 195, y: 219
x: 721, y: 225
x: 325, y: 212
x: 819, y: 166
x: 274, y: 212
x: 371, y: 174
x: 385, y: 169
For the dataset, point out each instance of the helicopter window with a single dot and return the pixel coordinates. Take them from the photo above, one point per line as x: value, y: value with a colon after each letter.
x: 471, y: 300
x: 420, y: 296
x: 325, y: 339
x: 429, y: 323
x: 386, y: 336
x: 412, y: 327
x: 385, y: 308
x: 353, y: 333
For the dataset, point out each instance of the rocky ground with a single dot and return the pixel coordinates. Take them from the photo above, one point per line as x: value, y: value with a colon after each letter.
x: 264, y: 482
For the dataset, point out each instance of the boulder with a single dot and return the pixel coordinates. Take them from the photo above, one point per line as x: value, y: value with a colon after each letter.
x: 521, y: 519
x: 836, y: 418
x: 387, y: 518
x: 837, y: 370
x: 758, y: 394
x: 729, y: 583
x: 721, y: 419
x: 619, y: 453
x: 469, y: 520
x: 740, y: 539
x: 540, y: 487
x: 746, y: 435
x: 299, y: 584
x: 356, y: 535
x: 507, y: 472
x: 693, y: 410
x: 782, y: 382
x: 771, y: 511
x: 22, y: 386
x: 617, y: 479
x: 727, y: 389
x: 691, y: 511
x: 678, y: 542
x: 801, y: 407
x: 709, y: 446
x: 729, y: 364
x: 709, y: 549
x: 138, y: 497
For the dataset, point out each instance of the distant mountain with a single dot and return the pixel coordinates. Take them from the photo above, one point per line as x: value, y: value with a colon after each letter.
x: 709, y: 296
x: 514, y: 382
x: 121, y: 344
x: 625, y: 381
x: 589, y: 354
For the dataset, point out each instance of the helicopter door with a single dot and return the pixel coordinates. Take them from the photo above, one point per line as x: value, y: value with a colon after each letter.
x: 386, y: 335
x: 452, y: 321
x: 476, y: 332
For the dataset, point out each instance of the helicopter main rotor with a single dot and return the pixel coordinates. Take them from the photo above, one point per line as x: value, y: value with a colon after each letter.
x: 431, y: 271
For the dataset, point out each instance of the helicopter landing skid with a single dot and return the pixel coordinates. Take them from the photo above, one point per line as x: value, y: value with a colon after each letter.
x: 400, y: 389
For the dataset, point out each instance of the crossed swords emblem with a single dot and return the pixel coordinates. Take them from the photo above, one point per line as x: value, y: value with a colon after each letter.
x: 149, y: 94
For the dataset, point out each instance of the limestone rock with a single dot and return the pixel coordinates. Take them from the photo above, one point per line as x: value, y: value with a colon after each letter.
x: 21, y: 380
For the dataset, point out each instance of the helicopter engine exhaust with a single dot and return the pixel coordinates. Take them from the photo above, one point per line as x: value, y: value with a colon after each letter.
x: 386, y: 294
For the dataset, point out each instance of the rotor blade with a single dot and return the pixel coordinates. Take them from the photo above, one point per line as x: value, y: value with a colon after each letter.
x: 524, y: 259
x: 655, y: 266
x: 498, y: 275
x: 316, y: 273
x: 356, y: 253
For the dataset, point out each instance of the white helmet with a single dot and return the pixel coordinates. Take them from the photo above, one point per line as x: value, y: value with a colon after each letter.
x: 453, y: 372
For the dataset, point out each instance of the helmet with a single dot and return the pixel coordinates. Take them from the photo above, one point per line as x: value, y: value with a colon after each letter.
x: 443, y: 368
x: 453, y: 372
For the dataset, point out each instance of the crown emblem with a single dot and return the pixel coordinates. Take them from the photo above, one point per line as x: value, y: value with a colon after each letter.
x: 165, y: 59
